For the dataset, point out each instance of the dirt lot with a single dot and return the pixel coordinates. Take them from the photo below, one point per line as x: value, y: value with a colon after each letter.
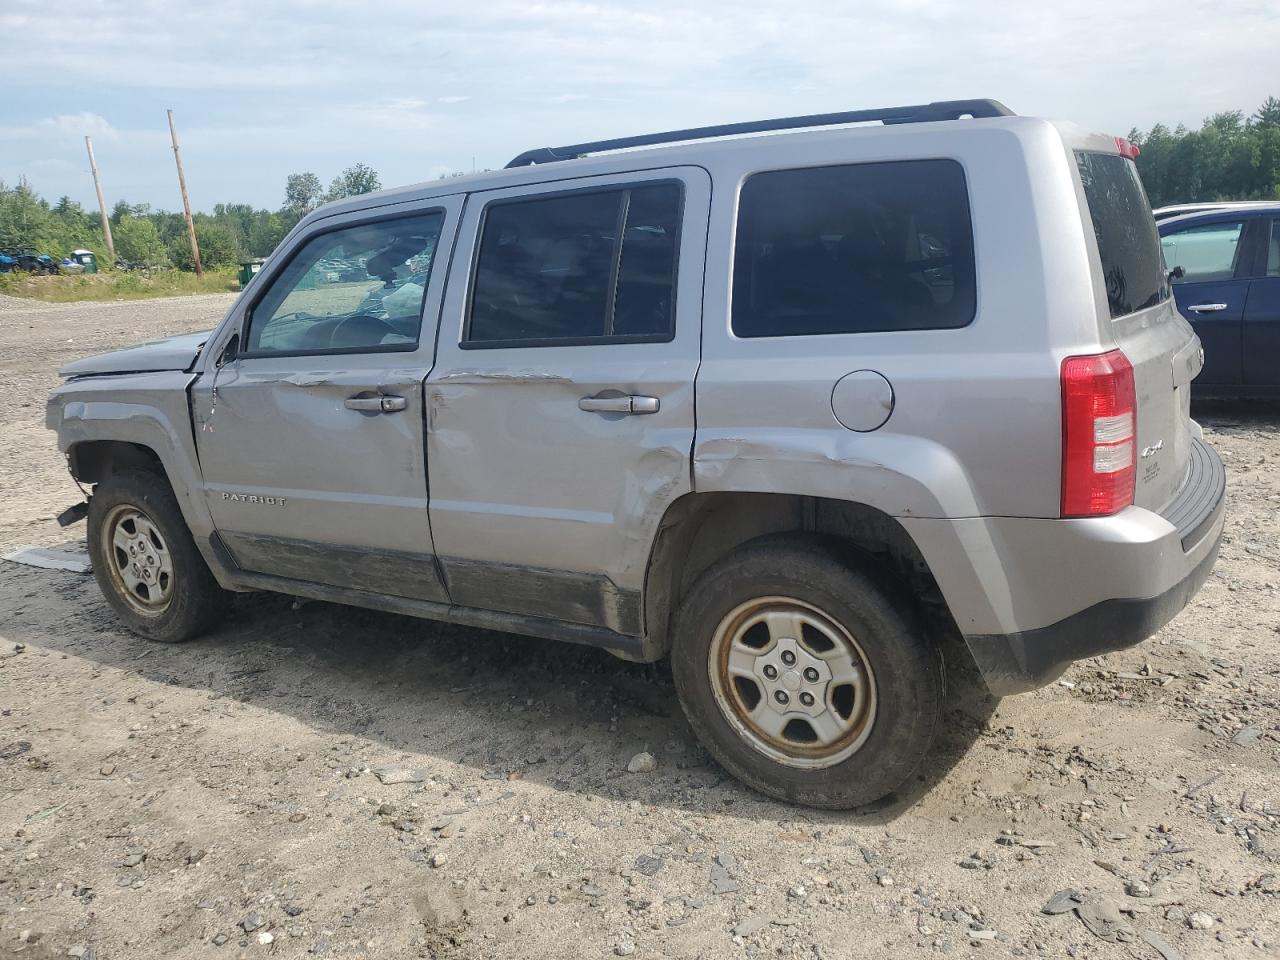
x: 222, y: 798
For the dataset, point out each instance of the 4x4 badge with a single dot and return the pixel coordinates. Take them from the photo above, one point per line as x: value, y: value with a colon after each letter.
x: 1148, y: 451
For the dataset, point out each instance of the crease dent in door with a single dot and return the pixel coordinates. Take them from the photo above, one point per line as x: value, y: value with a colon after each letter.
x: 507, y: 376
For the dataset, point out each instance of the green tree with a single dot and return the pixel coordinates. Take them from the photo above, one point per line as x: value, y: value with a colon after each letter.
x: 138, y: 241
x: 302, y: 192
x: 352, y: 182
x: 1268, y: 115
x: 218, y: 247
x: 1230, y: 157
x: 266, y: 233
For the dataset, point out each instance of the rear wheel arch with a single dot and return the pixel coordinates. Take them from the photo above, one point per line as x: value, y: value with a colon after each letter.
x: 698, y: 530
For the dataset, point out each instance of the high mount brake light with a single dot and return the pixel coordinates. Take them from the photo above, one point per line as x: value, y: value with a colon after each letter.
x: 1127, y: 148
x: 1099, y: 434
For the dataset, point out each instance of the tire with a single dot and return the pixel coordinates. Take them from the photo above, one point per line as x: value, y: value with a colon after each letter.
x: 884, y: 700
x: 176, y: 597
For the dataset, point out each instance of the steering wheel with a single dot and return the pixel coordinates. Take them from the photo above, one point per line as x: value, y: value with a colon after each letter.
x: 361, y: 330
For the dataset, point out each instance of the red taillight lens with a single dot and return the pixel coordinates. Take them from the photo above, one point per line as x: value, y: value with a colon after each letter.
x: 1099, y: 428
x: 1127, y: 148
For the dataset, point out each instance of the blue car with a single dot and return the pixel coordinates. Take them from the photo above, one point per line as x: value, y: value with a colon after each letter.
x: 1225, y: 267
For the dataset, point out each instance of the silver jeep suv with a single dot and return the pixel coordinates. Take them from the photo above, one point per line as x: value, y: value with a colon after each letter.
x: 767, y: 405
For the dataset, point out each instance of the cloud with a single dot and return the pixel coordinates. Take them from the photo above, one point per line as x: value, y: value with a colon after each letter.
x: 265, y: 89
x: 79, y: 125
x: 65, y: 126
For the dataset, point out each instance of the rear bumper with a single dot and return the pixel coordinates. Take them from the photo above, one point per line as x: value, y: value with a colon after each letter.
x: 1018, y: 662
x: 1032, y: 596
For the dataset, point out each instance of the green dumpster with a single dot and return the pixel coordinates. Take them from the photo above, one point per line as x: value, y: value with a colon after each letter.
x: 86, y: 259
x: 248, y: 268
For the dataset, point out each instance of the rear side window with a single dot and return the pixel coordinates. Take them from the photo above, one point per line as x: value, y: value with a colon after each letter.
x: 1128, y: 242
x: 582, y: 267
x: 854, y: 249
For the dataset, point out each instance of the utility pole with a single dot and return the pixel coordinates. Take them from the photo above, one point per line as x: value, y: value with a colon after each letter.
x: 186, y: 202
x: 102, y: 204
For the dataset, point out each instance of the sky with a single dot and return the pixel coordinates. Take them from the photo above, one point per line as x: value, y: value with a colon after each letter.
x: 415, y: 89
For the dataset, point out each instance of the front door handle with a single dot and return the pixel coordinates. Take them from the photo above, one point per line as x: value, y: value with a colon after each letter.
x: 1207, y: 307
x: 381, y: 404
x: 620, y: 404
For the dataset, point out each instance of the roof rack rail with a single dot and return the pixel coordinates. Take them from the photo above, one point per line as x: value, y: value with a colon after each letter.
x: 921, y: 113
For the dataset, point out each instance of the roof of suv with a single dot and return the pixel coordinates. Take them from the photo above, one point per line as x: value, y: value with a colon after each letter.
x: 683, y: 147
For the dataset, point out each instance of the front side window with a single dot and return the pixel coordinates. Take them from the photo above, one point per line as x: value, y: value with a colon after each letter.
x: 1128, y: 243
x: 578, y: 267
x: 357, y: 289
x: 854, y: 249
x: 1205, y: 253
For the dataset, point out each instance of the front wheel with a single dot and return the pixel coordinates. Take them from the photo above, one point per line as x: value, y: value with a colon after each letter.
x: 804, y: 671
x: 146, y: 562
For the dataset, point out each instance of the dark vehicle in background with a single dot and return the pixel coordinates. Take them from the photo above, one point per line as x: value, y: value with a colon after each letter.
x: 30, y: 262
x: 1225, y: 267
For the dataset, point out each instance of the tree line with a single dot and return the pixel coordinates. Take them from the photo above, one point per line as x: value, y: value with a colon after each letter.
x: 1230, y: 157
x: 231, y: 233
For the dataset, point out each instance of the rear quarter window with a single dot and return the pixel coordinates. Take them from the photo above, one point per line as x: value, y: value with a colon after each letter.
x: 855, y: 248
x: 1133, y: 270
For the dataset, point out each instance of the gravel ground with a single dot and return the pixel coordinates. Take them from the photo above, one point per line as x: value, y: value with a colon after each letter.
x: 313, y: 780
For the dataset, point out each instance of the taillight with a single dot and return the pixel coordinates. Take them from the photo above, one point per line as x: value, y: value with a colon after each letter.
x: 1099, y: 428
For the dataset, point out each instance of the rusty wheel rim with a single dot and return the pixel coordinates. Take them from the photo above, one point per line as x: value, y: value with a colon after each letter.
x: 139, y: 564
x: 792, y: 682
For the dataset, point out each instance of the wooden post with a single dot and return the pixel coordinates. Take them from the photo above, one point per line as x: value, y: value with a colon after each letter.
x: 186, y: 202
x: 102, y: 204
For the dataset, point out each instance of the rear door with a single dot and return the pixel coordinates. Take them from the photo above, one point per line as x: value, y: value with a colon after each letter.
x: 560, y: 411
x: 1212, y: 290
x: 1133, y: 288
x: 1261, y: 326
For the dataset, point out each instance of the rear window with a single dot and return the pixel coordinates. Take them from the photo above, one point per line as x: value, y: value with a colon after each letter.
x: 1128, y: 243
x: 854, y: 249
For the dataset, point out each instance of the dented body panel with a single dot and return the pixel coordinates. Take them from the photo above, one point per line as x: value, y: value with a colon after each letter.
x: 496, y: 490
x: 167, y: 353
x: 148, y: 410
x: 523, y: 479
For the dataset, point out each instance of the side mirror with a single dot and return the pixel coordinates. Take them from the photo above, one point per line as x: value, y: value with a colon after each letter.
x: 1177, y: 273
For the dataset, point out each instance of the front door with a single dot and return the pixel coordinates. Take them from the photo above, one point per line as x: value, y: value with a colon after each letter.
x: 311, y: 438
x: 1262, y: 316
x: 1211, y: 292
x: 560, y: 411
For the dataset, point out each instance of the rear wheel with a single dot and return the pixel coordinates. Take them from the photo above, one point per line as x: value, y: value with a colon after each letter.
x: 146, y: 562
x: 804, y: 671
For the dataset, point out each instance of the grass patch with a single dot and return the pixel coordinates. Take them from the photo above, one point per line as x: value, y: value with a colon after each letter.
x: 117, y: 285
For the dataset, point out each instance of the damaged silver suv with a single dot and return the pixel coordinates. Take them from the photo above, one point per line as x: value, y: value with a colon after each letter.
x: 766, y: 405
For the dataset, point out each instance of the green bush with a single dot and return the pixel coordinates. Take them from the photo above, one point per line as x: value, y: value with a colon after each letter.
x: 218, y: 247
x: 138, y: 241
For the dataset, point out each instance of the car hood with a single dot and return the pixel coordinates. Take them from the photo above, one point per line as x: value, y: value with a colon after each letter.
x: 171, y: 353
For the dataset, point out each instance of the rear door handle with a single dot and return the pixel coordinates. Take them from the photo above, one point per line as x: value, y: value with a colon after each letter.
x: 383, y: 404
x: 1207, y: 307
x: 620, y: 404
